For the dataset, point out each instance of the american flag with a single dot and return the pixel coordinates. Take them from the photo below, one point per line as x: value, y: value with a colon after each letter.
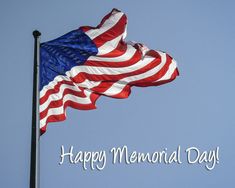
x: 80, y: 66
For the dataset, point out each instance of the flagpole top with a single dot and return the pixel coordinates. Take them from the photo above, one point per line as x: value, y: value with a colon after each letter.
x: 36, y: 33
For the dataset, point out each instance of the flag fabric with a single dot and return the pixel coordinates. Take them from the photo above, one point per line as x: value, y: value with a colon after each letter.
x: 82, y: 65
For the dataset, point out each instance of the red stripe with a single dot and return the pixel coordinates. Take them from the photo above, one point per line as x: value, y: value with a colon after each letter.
x: 107, y: 17
x: 173, y: 76
x: 156, y: 76
x: 87, y: 28
x: 56, y: 89
x: 134, y: 59
x: 118, y: 51
x: 112, y: 33
x: 58, y: 103
x: 144, y: 83
x: 62, y: 117
x: 126, y: 90
x: 80, y: 77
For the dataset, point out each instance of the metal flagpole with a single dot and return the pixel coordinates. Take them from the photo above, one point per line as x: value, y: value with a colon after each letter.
x: 34, y: 163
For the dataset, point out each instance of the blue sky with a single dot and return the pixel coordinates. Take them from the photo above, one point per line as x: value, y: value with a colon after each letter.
x: 197, y: 109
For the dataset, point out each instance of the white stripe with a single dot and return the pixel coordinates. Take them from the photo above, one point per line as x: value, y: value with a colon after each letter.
x: 125, y: 32
x: 108, y: 24
x: 88, y: 84
x: 60, y: 110
x: 124, y: 57
x: 169, y: 72
x: 118, y: 86
x: 92, y: 70
x: 59, y: 95
x: 109, y: 46
x: 53, y: 83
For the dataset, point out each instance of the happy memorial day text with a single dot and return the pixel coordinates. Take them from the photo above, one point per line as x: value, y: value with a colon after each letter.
x: 97, y: 160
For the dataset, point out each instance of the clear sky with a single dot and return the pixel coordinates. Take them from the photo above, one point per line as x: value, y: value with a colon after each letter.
x: 197, y: 109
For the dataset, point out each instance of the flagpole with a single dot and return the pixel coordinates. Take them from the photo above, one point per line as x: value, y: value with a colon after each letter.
x: 34, y: 163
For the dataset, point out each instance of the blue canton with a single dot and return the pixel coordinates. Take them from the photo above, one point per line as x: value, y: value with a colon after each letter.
x: 60, y: 55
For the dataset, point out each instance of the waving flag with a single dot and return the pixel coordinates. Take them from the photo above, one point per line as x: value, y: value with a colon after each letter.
x: 80, y: 66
